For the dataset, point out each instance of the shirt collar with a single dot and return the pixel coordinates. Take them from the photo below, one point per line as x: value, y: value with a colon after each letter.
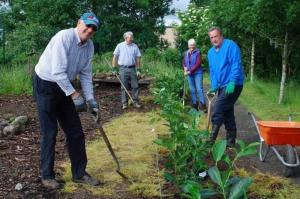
x: 78, y: 41
x: 128, y: 44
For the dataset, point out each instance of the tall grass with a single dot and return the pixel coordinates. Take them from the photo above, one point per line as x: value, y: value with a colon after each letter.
x: 150, y: 67
x: 15, y: 80
x: 261, y: 97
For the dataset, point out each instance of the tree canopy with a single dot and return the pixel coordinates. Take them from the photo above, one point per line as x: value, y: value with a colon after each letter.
x: 30, y: 24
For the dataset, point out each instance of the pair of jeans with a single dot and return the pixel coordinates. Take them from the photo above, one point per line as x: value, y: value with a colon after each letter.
x: 55, y: 107
x: 129, y: 75
x: 196, y: 87
x: 224, y: 108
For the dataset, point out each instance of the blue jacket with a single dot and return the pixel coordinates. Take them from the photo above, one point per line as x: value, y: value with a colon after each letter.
x: 225, y: 65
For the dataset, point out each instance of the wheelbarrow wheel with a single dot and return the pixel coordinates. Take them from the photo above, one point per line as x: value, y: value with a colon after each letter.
x: 291, y: 159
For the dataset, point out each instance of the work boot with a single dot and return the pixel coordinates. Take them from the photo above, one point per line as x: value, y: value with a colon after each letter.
x: 230, y: 136
x: 203, y: 107
x: 87, y: 179
x: 214, y: 133
x: 195, y: 106
x: 50, y: 183
x: 124, y: 106
x: 137, y: 105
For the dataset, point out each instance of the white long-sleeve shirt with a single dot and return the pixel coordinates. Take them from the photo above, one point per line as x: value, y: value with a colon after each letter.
x: 64, y: 58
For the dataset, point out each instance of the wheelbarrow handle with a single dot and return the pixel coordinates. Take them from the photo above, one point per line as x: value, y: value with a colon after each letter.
x: 253, y: 117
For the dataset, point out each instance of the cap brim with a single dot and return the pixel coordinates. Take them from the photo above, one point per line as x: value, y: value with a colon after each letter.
x: 90, y: 22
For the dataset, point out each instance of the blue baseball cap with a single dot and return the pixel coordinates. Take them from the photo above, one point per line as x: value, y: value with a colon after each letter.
x: 90, y: 18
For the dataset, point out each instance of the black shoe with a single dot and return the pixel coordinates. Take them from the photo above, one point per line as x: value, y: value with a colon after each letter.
x: 50, y: 183
x: 87, y: 179
x: 195, y: 106
x: 203, y: 108
x: 230, y: 136
x: 230, y: 144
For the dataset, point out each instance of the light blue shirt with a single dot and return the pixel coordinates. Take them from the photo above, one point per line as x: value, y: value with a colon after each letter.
x: 127, y: 53
x: 64, y: 58
x: 225, y: 65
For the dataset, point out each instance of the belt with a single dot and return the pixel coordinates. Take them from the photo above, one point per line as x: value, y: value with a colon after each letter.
x: 131, y: 66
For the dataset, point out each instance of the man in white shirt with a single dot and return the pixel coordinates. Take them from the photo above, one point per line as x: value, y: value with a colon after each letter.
x: 128, y: 57
x: 68, y: 54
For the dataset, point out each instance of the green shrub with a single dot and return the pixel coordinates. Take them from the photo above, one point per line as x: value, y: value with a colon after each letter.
x: 152, y: 54
x: 172, y: 56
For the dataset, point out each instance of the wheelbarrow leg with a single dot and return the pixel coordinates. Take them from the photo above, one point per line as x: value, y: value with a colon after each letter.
x: 291, y: 159
x: 263, y: 150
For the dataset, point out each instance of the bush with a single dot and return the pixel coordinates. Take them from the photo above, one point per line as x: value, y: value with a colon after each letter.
x: 152, y: 54
x: 172, y: 56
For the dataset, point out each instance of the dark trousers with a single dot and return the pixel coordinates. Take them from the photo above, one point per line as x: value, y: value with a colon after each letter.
x: 54, y: 106
x: 224, y: 108
x: 126, y: 75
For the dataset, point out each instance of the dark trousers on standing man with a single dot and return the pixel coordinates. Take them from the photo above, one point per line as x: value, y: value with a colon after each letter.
x: 224, y: 109
x: 128, y: 74
x: 54, y: 106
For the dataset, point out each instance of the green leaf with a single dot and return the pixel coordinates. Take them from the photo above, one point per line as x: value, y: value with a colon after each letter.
x: 227, y: 159
x: 208, y: 193
x: 218, y: 150
x: 169, y: 177
x: 166, y: 142
x: 192, y: 189
x: 248, y: 150
x: 158, y: 141
x: 225, y: 175
x: 239, y: 188
x: 233, y: 181
x: 215, y: 175
x: 241, y: 143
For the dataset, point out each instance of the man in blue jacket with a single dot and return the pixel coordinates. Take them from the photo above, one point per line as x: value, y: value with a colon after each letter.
x: 227, y: 77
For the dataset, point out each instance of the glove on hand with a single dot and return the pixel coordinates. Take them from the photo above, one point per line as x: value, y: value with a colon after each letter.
x: 93, y: 108
x: 138, y: 74
x: 186, y: 72
x: 93, y: 104
x: 229, y: 88
x: 212, y: 91
x: 79, y: 103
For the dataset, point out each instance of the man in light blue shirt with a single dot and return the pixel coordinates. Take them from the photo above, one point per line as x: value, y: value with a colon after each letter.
x: 227, y: 78
x: 128, y: 57
x: 68, y: 54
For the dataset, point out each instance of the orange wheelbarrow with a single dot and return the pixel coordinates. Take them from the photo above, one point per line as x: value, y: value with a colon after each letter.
x: 279, y: 133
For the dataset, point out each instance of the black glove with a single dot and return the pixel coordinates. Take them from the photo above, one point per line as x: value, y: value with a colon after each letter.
x: 79, y: 103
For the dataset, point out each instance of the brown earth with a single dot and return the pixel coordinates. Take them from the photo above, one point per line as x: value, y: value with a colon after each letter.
x: 19, y: 154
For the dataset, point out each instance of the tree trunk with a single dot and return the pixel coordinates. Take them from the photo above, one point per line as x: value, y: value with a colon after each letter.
x: 284, y: 66
x: 252, y: 60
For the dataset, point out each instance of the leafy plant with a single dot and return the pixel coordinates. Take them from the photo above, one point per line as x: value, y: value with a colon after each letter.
x: 229, y: 186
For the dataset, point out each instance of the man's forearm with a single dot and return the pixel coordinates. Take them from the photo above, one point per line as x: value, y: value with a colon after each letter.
x: 138, y: 62
x: 114, y: 61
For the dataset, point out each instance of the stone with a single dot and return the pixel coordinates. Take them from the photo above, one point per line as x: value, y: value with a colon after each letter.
x: 20, y: 119
x: 11, y: 129
x: 19, y: 187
